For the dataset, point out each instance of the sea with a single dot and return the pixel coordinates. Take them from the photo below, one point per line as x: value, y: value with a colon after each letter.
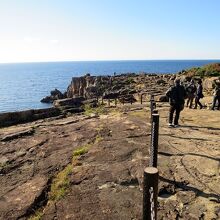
x: 23, y: 85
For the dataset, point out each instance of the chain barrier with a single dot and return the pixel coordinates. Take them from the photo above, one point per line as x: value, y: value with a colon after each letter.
x: 151, y: 191
x: 154, y: 140
x: 152, y: 153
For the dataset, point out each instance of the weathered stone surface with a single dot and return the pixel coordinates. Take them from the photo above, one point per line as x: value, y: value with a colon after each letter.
x: 106, y: 182
x: 15, y: 135
x: 12, y: 118
x: 19, y: 201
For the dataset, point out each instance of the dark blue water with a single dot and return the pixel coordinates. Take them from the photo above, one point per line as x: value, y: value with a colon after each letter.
x: 23, y: 85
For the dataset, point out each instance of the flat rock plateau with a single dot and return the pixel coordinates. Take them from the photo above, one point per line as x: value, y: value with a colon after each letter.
x: 91, y: 166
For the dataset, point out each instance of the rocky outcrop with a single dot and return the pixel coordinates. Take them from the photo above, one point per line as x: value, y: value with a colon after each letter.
x: 88, y: 86
x: 54, y: 95
x: 112, y: 87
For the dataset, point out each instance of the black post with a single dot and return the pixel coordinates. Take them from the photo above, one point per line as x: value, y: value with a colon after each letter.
x: 141, y: 99
x: 150, y: 192
x: 155, y: 111
x: 154, y: 140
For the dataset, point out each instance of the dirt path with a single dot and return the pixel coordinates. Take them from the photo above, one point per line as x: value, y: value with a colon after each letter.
x: 106, y: 156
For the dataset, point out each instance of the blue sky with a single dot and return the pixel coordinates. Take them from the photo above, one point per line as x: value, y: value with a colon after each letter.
x: 63, y: 30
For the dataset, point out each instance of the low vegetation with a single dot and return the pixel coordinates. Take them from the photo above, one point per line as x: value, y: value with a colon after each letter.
x: 60, y: 184
x: 81, y: 150
x: 98, y: 110
x: 209, y: 70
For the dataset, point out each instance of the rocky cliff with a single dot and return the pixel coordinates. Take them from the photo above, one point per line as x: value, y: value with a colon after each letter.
x: 88, y: 86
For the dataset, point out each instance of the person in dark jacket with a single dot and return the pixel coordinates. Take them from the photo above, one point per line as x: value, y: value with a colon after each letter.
x: 190, y: 91
x: 176, y: 94
x: 199, y: 95
x: 216, y: 96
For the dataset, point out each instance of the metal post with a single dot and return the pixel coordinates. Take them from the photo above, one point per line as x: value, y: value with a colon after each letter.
x: 141, y: 99
x: 108, y: 102
x: 150, y: 192
x: 154, y: 140
x: 155, y: 111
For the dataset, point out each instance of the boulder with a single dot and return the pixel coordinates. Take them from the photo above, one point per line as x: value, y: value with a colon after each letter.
x: 208, y: 83
x: 54, y: 95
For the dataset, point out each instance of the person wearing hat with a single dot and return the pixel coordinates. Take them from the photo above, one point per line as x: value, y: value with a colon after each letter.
x: 176, y: 95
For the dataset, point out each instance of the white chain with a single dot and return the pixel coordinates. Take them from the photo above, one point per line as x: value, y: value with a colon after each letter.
x: 151, y: 191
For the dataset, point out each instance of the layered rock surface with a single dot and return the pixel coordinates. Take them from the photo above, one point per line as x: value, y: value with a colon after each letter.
x: 106, y: 181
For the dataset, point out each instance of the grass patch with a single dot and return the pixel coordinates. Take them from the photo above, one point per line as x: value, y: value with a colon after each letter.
x: 60, y: 184
x: 82, y: 150
x: 98, y: 110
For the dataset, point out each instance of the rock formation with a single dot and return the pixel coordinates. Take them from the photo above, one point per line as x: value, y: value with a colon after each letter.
x: 88, y: 86
x: 54, y: 95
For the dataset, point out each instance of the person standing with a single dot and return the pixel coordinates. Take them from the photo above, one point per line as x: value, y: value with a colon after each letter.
x: 199, y: 95
x: 216, y: 96
x: 190, y: 90
x: 176, y: 94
